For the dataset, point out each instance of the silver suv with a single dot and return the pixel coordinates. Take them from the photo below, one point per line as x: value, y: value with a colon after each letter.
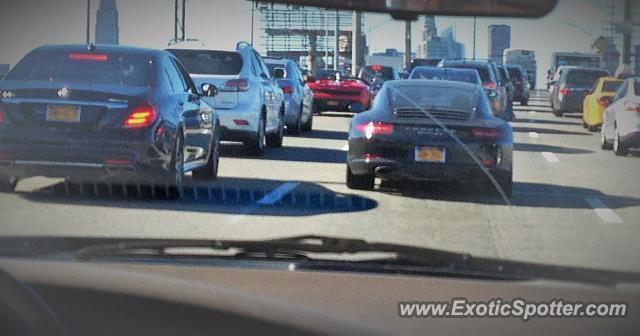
x: 250, y: 103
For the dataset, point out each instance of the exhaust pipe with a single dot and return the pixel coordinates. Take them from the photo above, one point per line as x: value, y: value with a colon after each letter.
x: 383, y: 171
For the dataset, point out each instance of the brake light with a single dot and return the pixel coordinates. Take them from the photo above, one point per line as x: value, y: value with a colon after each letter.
x: 376, y: 67
x: 142, y: 116
x: 486, y: 133
x: 565, y: 91
x: 236, y: 85
x: 88, y: 57
x: 632, y: 107
x: 1, y: 115
x: 603, y: 101
x: 287, y: 90
x: 375, y: 128
x: 489, y: 85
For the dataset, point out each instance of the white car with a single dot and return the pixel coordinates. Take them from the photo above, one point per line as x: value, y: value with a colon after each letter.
x: 250, y: 103
x: 621, y: 120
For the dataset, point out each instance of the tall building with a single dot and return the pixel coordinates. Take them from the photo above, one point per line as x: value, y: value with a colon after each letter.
x: 637, y: 60
x: 499, y: 40
x: 107, y: 31
x: 434, y: 46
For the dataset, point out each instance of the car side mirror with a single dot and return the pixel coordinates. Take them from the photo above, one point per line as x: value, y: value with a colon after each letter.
x: 279, y: 73
x: 209, y: 90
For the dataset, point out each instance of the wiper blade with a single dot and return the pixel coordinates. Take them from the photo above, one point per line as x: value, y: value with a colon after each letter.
x: 316, y: 248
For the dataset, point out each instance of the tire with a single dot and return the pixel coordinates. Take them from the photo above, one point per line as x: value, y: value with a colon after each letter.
x: 557, y: 113
x: 308, y: 126
x: 256, y: 145
x: 275, y: 140
x: 524, y: 102
x: 604, y: 144
x: 8, y: 184
x: 177, y: 164
x: 359, y: 182
x: 584, y: 124
x: 296, y: 127
x: 619, y: 148
x: 210, y: 171
x: 592, y: 129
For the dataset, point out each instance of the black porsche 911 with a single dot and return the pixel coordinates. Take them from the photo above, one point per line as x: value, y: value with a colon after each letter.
x: 430, y: 130
x: 105, y: 114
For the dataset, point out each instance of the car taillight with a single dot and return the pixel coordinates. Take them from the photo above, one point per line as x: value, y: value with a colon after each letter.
x: 489, y: 85
x: 142, y: 116
x: 565, y: 91
x: 1, y: 115
x: 88, y: 57
x: 603, y: 101
x: 632, y: 107
x: 375, y: 128
x: 236, y: 85
x: 376, y: 67
x: 287, y: 90
x: 486, y: 133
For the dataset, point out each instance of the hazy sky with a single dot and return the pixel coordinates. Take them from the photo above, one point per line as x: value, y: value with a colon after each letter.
x: 25, y: 24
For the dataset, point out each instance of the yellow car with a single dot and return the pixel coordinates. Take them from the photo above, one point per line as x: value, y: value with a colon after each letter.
x: 597, y: 100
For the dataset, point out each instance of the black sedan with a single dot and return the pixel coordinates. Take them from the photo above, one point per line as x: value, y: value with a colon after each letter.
x: 430, y: 130
x: 105, y: 114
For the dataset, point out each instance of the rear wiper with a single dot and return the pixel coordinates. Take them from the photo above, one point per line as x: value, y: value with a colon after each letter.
x: 391, y: 257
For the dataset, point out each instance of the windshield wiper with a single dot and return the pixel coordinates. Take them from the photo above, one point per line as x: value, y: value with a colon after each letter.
x: 373, y: 257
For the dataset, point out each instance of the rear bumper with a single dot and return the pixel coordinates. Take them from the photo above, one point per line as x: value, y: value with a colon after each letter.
x: 91, y: 162
x: 232, y: 121
x: 346, y: 104
x: 631, y: 140
x: 418, y: 171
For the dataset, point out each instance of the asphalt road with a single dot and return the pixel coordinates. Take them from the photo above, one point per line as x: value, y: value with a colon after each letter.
x: 573, y: 204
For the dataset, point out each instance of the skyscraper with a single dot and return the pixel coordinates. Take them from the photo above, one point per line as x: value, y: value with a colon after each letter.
x: 499, y: 40
x: 107, y: 31
x: 434, y: 46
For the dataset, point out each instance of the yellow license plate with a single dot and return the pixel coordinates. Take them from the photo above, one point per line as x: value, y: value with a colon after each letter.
x: 63, y: 113
x: 430, y: 154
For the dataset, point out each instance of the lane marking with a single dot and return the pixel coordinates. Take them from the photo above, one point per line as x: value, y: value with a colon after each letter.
x: 550, y: 157
x: 278, y: 193
x: 607, y: 215
x: 532, y: 112
x: 534, y: 135
x: 345, y: 148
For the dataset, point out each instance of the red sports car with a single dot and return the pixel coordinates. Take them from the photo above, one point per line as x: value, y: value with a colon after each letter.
x: 332, y: 91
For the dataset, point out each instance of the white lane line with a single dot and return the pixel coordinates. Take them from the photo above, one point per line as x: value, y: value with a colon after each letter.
x: 607, y: 215
x: 345, y: 148
x: 534, y: 135
x: 550, y: 157
x: 278, y: 193
x: 532, y: 112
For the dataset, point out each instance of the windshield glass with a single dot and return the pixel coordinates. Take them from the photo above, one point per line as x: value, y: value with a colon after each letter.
x: 203, y: 62
x: 117, y: 138
x: 67, y: 66
x: 611, y: 86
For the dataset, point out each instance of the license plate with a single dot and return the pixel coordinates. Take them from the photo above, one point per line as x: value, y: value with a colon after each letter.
x: 63, y: 113
x: 333, y: 103
x: 430, y: 154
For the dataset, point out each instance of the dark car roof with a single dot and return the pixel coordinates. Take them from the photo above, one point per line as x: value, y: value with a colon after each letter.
x: 432, y: 83
x: 469, y: 63
x: 100, y: 48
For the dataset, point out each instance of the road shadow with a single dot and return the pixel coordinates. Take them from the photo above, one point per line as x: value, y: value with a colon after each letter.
x: 234, y: 196
x: 322, y: 134
x: 529, y: 147
x: 545, y: 122
x: 520, y: 129
x: 290, y: 154
x: 525, y: 194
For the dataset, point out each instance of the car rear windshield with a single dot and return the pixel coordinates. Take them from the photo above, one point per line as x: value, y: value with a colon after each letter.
x: 515, y: 73
x: 273, y: 66
x: 584, y: 77
x: 85, y: 68
x: 379, y: 74
x: 611, y: 86
x: 455, y: 75
x: 485, y: 74
x: 206, y: 62
x: 431, y: 97
x: 328, y: 74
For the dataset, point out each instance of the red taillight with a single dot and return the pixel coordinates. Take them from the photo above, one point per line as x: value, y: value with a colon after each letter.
x: 565, y: 91
x: 287, y: 90
x: 236, y: 85
x: 486, y: 133
x: 1, y: 115
x: 631, y: 107
x: 489, y: 85
x: 117, y: 162
x: 142, y: 116
x: 603, y: 101
x: 488, y: 163
x: 375, y: 128
x: 240, y: 122
x: 88, y: 57
x: 376, y: 67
